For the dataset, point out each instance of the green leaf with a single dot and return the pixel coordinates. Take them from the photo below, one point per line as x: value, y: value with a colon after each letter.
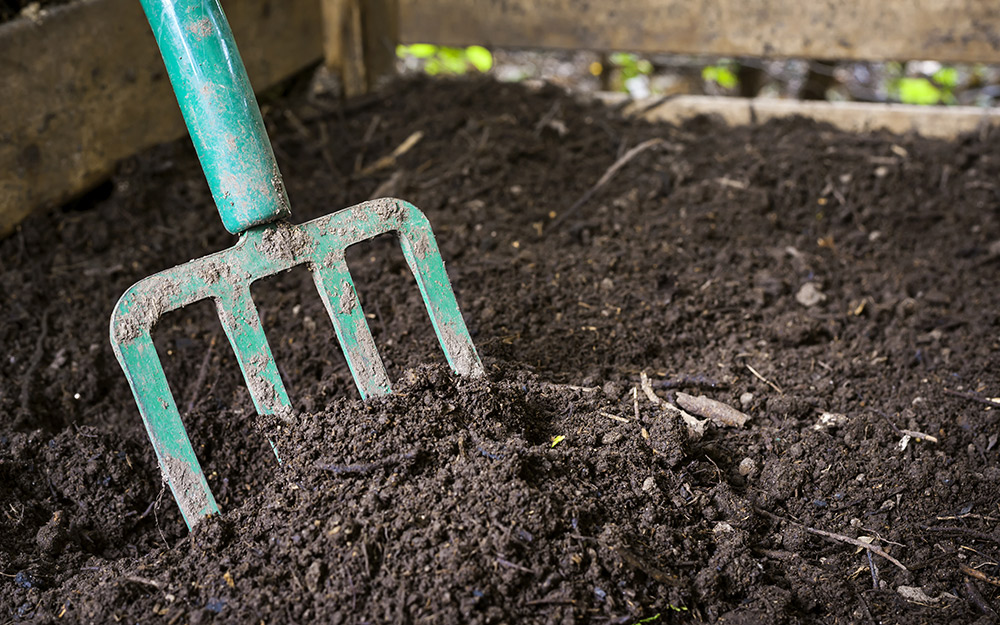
x: 918, y: 91
x: 421, y: 50
x: 433, y: 67
x: 721, y: 75
x: 480, y: 57
x: 622, y: 59
x: 649, y: 619
x: 557, y: 439
x: 452, y: 60
x: 946, y: 77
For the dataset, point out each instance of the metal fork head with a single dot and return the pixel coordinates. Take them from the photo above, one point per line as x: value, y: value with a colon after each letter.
x: 226, y: 277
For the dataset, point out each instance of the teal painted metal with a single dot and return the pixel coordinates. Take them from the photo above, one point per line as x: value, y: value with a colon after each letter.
x: 226, y: 277
x: 225, y: 124
x: 220, y: 110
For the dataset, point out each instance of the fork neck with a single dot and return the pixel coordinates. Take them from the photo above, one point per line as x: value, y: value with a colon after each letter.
x: 220, y: 110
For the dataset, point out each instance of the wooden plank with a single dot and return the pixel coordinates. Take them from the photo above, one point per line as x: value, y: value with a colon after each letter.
x: 360, y: 41
x: 343, y: 44
x: 944, y: 30
x: 929, y: 121
x: 85, y: 87
x: 381, y: 24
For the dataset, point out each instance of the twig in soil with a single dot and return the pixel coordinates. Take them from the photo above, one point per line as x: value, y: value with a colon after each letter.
x: 836, y: 537
x: 920, y: 435
x: 973, y: 397
x: 354, y: 592
x: 367, y: 467
x: 390, y: 160
x: 548, y: 117
x: 949, y: 529
x: 36, y: 360
x: 194, y: 390
x: 978, y: 600
x: 874, y: 570
x: 370, y: 131
x: 776, y: 554
x: 156, y: 516
x: 614, y: 417
x: 608, y: 175
x: 976, y: 551
x: 971, y: 572
x: 513, y: 565
x: 868, y: 612
x: 298, y: 582
x: 764, y: 380
x: 688, y: 381
x: 891, y: 424
x: 970, y: 515
x: 144, y: 582
x: 324, y: 142
x: 149, y: 509
x: 695, y: 427
x: 926, y: 563
x: 572, y: 387
x: 551, y: 602
x: 907, y: 434
x: 297, y: 124
x: 717, y: 411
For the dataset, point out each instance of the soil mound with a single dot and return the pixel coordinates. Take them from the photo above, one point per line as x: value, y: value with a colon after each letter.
x: 839, y: 290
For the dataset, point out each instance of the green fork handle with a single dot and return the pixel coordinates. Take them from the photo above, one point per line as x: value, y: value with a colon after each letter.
x: 220, y: 110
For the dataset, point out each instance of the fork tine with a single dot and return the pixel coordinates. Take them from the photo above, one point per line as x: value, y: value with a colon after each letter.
x: 226, y: 276
x: 336, y: 289
x: 424, y: 258
x: 253, y: 353
x: 178, y: 464
x: 246, y: 335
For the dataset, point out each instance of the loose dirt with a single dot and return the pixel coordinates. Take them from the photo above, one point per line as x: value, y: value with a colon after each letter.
x: 838, y: 290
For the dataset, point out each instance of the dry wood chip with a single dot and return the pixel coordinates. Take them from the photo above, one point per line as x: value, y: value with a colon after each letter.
x: 718, y: 412
x: 916, y: 594
x: 696, y: 428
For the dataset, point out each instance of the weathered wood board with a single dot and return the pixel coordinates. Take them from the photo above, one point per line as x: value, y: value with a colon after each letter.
x: 360, y: 41
x: 929, y: 121
x: 943, y: 30
x: 84, y: 87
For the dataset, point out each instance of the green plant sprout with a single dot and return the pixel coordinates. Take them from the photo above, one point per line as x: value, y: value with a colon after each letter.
x: 447, y: 60
x: 938, y: 89
x: 722, y: 74
x: 630, y: 65
x: 649, y: 619
x: 557, y: 439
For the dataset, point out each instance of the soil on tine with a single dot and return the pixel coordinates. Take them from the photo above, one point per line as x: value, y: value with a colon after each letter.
x: 734, y: 375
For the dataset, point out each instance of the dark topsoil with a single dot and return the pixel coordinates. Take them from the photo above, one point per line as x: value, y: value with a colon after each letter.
x: 448, y: 501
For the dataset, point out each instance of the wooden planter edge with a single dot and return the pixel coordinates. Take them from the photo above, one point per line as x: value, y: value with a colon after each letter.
x: 85, y: 87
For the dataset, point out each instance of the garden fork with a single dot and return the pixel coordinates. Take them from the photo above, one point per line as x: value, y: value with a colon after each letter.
x: 225, y: 124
